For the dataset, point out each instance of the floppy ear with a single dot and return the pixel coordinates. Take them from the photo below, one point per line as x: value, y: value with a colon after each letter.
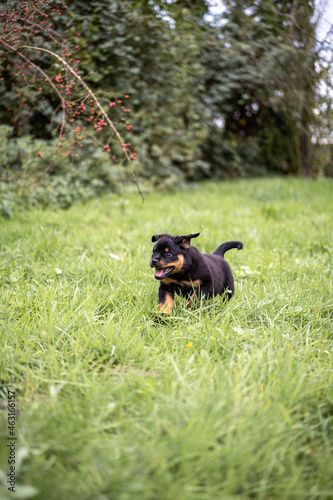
x: 185, y: 241
x: 155, y: 237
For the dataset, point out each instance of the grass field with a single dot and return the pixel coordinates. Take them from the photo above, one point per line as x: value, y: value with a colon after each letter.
x: 219, y: 402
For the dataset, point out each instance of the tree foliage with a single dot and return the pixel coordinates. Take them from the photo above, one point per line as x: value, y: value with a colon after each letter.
x: 238, y: 96
x: 132, y: 48
x: 264, y: 76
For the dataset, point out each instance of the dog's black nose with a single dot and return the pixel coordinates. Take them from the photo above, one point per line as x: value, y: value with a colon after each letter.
x: 154, y: 261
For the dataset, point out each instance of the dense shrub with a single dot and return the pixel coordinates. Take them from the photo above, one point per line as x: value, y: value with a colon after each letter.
x: 70, y: 177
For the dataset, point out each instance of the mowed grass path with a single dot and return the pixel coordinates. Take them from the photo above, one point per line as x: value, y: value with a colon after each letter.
x: 226, y: 401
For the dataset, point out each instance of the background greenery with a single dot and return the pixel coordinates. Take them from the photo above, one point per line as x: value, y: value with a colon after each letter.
x: 238, y: 95
x: 226, y: 401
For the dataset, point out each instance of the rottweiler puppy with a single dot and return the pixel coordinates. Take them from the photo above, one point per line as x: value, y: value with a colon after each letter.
x: 182, y: 269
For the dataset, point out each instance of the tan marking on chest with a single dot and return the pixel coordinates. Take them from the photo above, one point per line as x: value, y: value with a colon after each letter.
x: 192, y: 284
x: 183, y: 283
x: 168, y: 281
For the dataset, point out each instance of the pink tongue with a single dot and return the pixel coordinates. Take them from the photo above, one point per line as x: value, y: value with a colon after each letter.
x: 159, y: 272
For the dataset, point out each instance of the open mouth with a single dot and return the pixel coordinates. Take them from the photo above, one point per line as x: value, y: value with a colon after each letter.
x: 162, y: 273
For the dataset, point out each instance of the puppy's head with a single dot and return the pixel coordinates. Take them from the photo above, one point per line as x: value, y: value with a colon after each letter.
x: 169, y: 253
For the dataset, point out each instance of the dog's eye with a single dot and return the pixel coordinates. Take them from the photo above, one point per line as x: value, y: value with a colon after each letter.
x: 168, y: 254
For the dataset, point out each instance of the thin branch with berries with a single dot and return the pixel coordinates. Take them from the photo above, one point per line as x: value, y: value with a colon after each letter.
x: 32, y: 22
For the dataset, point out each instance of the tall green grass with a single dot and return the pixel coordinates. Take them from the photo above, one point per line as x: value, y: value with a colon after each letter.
x: 225, y: 401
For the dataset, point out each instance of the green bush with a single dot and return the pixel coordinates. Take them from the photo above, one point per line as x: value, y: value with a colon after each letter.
x: 31, y: 173
x: 231, y: 157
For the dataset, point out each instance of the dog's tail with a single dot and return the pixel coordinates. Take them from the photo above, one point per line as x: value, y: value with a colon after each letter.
x: 228, y: 246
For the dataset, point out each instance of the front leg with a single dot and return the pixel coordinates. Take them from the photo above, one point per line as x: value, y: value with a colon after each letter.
x: 166, y: 299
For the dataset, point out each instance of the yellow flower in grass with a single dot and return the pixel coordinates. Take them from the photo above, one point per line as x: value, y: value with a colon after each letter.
x: 190, y: 344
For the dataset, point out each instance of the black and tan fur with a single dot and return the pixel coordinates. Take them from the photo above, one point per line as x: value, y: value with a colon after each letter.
x: 182, y: 269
